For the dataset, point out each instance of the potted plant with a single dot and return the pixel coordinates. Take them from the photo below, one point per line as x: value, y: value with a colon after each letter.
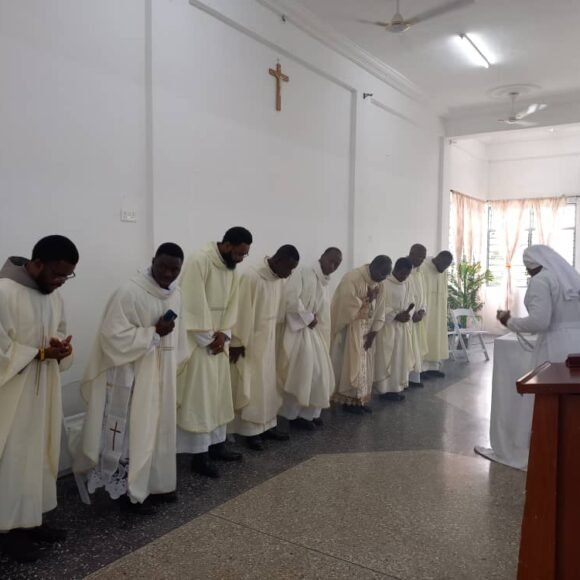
x: 464, y: 286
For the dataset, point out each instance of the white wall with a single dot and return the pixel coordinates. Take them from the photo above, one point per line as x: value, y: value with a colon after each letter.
x: 468, y: 167
x: 539, y: 168
x: 168, y: 109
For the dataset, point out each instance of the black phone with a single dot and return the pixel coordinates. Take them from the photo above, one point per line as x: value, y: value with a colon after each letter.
x: 169, y: 316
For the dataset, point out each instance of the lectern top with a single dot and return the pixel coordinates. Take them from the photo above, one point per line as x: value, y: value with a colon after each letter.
x: 551, y: 379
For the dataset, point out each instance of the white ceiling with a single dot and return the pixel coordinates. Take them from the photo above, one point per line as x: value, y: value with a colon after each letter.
x: 532, y: 134
x: 532, y: 41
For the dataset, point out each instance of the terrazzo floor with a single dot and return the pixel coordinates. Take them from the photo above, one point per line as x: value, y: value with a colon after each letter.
x: 396, y: 494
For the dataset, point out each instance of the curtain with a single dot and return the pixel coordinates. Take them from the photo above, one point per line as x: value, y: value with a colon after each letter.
x: 546, y: 212
x: 469, y: 220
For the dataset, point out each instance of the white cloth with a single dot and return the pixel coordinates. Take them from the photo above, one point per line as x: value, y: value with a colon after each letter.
x: 30, y: 404
x: 395, y: 356
x: 254, y: 378
x: 291, y: 409
x: 511, y: 413
x: 188, y: 442
x: 304, y: 366
x: 130, y: 388
x: 210, y: 304
x: 549, y: 259
x: 555, y: 319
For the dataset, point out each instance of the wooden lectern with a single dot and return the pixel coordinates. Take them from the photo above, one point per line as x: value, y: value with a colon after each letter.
x: 550, y: 548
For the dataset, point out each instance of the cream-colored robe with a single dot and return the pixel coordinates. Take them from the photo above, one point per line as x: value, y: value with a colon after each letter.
x: 210, y: 304
x: 256, y: 396
x: 436, y: 319
x: 418, y: 297
x: 353, y: 317
x: 126, y: 347
x: 305, y: 369
x: 30, y: 404
x: 396, y: 340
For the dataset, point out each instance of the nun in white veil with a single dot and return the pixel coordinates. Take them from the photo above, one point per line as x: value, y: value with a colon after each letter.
x: 553, y: 304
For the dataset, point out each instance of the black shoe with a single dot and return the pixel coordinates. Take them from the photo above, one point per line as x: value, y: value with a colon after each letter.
x: 201, y: 465
x: 220, y: 452
x: 275, y: 435
x: 425, y: 376
x: 138, y: 509
x: 413, y: 385
x: 392, y: 397
x: 303, y: 424
x: 353, y: 409
x: 435, y: 374
x: 255, y: 442
x: 318, y: 422
x: 157, y: 498
x: 18, y: 545
x: 366, y: 409
x: 44, y: 533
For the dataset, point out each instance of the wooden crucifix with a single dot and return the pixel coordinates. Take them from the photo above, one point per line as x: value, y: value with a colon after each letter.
x: 277, y: 73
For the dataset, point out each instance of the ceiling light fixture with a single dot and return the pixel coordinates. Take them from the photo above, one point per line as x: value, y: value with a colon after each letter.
x: 473, y: 51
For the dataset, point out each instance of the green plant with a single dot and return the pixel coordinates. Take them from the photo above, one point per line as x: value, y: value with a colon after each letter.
x: 465, y: 283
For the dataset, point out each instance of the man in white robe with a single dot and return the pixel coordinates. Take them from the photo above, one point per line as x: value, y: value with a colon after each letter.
x: 210, y: 286
x: 128, y: 441
x: 306, y: 375
x: 357, y: 316
x: 417, y: 256
x: 253, y: 349
x: 435, y: 278
x: 34, y: 349
x: 395, y: 358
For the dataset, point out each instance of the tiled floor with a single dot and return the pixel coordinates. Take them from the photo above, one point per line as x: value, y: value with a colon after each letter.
x: 396, y: 494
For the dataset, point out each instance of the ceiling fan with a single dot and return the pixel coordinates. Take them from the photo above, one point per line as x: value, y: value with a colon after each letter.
x: 400, y: 24
x: 517, y: 118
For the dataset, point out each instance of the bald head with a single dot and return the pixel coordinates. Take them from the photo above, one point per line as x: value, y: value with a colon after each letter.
x: 442, y: 261
x: 380, y: 268
x: 417, y: 254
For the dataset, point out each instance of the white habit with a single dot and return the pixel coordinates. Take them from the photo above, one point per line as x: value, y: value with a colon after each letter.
x: 30, y: 398
x: 436, y: 319
x: 204, y: 388
x: 305, y: 368
x: 395, y: 357
x: 256, y: 396
x: 128, y: 439
x: 418, y: 330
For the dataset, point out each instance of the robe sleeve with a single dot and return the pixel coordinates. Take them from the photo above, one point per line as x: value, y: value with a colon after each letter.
x: 196, y: 310
x: 122, y: 339
x: 390, y: 311
x: 539, y: 305
x: 62, y: 333
x: 379, y: 317
x: 346, y: 305
x: 14, y: 356
x: 296, y: 314
x: 244, y: 326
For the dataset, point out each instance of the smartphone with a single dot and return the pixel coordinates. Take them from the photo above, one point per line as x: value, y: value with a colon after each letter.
x: 169, y: 316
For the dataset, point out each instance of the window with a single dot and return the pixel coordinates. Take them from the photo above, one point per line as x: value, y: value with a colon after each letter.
x: 563, y: 241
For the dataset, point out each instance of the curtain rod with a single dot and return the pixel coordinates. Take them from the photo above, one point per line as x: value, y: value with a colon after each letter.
x: 513, y: 199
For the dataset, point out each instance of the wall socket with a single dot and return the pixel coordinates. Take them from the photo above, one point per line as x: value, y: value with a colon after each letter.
x: 128, y: 215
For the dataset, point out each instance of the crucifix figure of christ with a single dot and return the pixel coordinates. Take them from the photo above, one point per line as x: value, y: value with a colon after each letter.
x: 115, y: 430
x: 277, y: 73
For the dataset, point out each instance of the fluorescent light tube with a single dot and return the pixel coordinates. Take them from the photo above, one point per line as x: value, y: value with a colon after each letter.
x: 473, y: 51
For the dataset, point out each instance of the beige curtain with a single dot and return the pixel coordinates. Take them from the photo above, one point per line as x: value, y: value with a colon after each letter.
x: 469, y: 220
x: 546, y: 214
x: 511, y: 214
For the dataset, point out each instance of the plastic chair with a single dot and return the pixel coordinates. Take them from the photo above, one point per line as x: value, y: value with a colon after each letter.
x: 462, y: 335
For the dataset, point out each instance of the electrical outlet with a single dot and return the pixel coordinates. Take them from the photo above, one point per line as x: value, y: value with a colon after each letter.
x: 128, y: 215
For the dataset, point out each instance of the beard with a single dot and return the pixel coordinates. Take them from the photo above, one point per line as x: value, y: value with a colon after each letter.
x: 229, y: 261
